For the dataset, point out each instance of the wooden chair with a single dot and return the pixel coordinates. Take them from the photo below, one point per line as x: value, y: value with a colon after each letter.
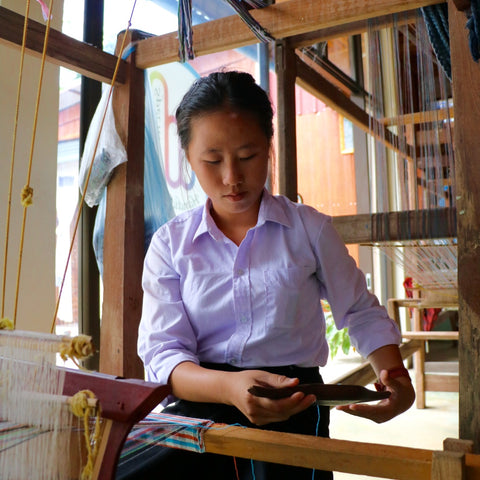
x: 446, y: 380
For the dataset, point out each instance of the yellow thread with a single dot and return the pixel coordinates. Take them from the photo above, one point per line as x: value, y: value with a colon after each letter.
x: 12, y: 158
x: 6, y: 324
x: 27, y: 196
x: 79, y: 348
x: 80, y: 408
x: 85, y: 187
x: 30, y: 162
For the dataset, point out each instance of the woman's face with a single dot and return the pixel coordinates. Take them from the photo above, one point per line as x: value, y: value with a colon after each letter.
x: 229, y: 154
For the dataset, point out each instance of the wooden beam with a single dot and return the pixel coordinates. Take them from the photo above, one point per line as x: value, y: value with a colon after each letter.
x: 420, y: 117
x: 319, y: 453
x: 282, y: 20
x: 364, y: 374
x: 335, y: 455
x: 433, y: 335
x: 436, y: 382
x: 397, y: 226
x: 353, y: 28
x: 448, y: 466
x: 123, y: 250
x: 315, y: 84
x: 62, y: 50
x: 286, y: 115
x: 466, y: 98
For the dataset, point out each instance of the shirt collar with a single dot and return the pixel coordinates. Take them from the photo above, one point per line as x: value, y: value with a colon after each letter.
x: 271, y: 210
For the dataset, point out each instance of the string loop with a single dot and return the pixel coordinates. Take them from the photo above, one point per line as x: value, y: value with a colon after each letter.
x: 80, y: 408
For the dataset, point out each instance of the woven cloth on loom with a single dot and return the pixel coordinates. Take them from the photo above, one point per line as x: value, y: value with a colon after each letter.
x: 160, y: 429
x: 12, y: 434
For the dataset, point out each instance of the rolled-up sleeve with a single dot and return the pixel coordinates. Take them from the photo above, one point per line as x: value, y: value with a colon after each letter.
x: 353, y: 306
x: 166, y: 337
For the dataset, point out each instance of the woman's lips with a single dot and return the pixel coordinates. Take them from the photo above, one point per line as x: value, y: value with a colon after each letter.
x: 235, y: 197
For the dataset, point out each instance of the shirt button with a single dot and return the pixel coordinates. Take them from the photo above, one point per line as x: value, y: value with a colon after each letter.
x: 243, y: 319
x: 233, y: 361
x: 240, y: 272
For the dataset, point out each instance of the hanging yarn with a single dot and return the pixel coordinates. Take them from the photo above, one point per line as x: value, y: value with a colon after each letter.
x: 243, y: 11
x: 27, y: 196
x: 185, y: 32
x: 436, y: 20
x: 473, y: 26
x: 417, y: 108
x: 6, y: 324
x: 81, y: 408
x: 79, y: 348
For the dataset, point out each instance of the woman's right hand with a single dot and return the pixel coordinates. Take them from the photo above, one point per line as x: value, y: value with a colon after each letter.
x: 195, y: 383
x: 260, y: 410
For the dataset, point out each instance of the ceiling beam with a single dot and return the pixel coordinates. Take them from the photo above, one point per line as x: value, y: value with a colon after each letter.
x: 282, y: 20
x: 62, y: 50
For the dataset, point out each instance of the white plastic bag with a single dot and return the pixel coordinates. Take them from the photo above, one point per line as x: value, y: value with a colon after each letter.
x: 109, y: 154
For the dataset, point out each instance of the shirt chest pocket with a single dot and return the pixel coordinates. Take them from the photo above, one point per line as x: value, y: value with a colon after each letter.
x: 284, y: 293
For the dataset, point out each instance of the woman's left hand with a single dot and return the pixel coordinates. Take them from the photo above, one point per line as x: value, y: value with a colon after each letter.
x: 402, y: 396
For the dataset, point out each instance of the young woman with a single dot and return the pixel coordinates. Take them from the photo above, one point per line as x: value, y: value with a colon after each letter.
x: 232, y: 292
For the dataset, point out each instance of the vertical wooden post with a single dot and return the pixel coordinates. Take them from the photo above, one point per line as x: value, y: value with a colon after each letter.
x: 286, y: 115
x: 124, y: 233
x: 419, y: 360
x: 448, y: 466
x: 88, y: 277
x: 466, y: 97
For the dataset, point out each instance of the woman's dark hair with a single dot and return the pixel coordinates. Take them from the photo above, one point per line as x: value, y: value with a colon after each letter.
x: 236, y: 90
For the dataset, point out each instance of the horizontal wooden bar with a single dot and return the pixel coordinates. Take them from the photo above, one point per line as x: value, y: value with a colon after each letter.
x: 434, y: 335
x: 364, y: 374
x: 435, y: 382
x: 282, y: 20
x: 62, y: 50
x: 329, y: 454
x: 397, y: 226
x: 353, y: 28
x: 320, y: 453
x: 419, y: 117
x: 440, y: 367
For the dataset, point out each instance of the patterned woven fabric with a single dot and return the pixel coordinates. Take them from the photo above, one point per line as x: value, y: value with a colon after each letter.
x: 159, y: 429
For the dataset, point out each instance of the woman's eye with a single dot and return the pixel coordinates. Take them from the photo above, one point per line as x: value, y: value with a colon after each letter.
x: 249, y: 157
x: 212, y: 162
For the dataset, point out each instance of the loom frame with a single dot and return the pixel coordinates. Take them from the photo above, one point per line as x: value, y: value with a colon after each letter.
x: 336, y: 18
x: 123, y: 402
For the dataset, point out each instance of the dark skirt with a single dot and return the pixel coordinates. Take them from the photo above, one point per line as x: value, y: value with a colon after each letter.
x: 160, y: 463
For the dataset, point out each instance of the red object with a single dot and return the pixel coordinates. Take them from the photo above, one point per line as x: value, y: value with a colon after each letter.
x: 392, y: 373
x: 429, y: 315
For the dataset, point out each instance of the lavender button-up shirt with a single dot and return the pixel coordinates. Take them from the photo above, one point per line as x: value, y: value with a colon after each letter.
x: 257, y: 304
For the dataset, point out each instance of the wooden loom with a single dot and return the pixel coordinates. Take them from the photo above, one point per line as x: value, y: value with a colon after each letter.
x: 125, y: 402
x: 123, y: 238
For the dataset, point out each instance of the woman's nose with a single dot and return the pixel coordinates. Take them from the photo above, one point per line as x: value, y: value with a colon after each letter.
x: 232, y: 174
